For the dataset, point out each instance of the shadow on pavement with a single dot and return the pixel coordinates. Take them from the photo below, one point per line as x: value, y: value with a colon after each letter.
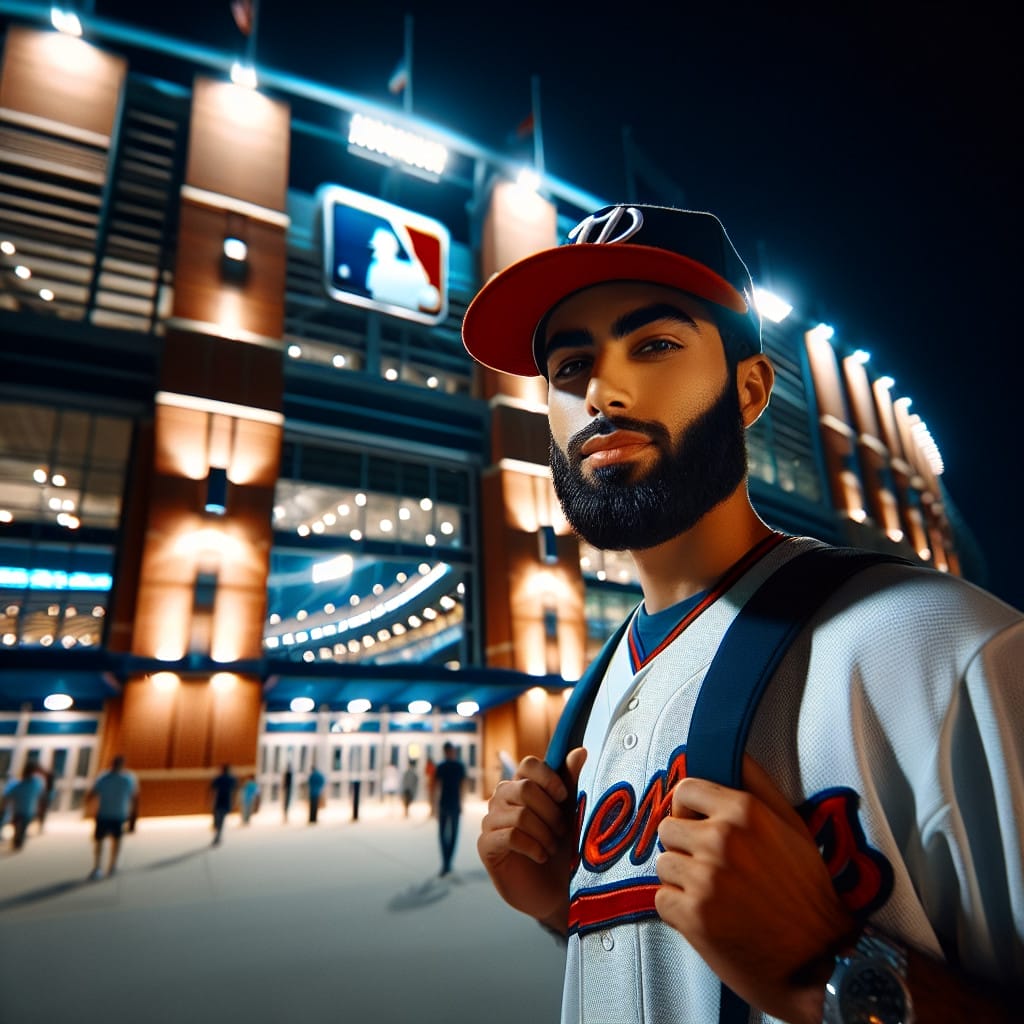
x: 178, y: 858
x: 45, y: 892
x: 423, y: 894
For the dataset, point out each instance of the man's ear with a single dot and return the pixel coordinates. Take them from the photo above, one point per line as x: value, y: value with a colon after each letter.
x: 755, y: 378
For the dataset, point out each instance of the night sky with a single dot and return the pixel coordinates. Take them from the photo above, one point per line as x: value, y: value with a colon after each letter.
x: 864, y: 163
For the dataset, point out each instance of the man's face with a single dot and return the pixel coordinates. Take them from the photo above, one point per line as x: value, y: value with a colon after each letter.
x: 646, y: 433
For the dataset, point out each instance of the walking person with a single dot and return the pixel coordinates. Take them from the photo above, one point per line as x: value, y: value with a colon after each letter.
x: 286, y: 792
x: 410, y: 783
x: 22, y: 801
x: 45, y: 798
x: 315, y: 788
x: 223, y: 788
x: 869, y: 865
x: 449, y: 781
x: 116, y: 793
x: 250, y: 798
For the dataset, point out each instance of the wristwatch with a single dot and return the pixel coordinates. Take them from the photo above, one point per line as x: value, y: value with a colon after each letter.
x: 867, y: 984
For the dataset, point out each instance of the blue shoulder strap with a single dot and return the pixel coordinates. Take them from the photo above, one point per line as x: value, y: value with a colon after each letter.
x: 571, y: 724
x: 745, y: 661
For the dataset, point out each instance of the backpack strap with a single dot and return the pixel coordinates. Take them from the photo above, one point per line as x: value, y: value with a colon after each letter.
x: 573, y: 721
x: 747, y: 657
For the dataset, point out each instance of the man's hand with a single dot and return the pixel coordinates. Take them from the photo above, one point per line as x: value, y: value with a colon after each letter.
x: 527, y: 838
x: 746, y: 885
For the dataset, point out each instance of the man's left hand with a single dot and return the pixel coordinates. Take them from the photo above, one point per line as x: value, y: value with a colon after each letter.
x: 745, y: 884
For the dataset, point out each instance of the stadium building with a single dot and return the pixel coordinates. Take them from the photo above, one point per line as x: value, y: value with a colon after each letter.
x: 257, y: 505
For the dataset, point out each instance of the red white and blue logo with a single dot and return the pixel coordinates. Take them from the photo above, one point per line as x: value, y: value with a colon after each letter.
x: 382, y: 257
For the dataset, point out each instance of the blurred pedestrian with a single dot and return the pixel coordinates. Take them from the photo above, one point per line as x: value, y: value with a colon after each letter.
x: 430, y: 769
x: 286, y: 792
x: 22, y: 801
x: 223, y: 787
x: 315, y: 787
x: 250, y: 798
x: 449, y: 780
x: 410, y: 783
x: 117, y: 794
x: 45, y: 797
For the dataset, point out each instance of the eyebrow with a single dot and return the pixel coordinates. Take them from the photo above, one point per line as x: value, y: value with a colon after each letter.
x: 625, y: 325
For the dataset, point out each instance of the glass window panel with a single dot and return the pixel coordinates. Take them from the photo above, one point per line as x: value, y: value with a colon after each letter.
x: 82, y: 763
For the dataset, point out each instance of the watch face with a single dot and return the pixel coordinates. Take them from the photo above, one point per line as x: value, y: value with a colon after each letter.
x: 871, y: 993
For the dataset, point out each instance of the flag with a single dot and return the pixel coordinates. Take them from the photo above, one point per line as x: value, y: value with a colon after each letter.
x: 522, y: 134
x: 399, y: 77
x: 525, y: 129
x: 242, y: 12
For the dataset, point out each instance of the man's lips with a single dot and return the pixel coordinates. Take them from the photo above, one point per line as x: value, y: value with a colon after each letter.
x: 607, y: 448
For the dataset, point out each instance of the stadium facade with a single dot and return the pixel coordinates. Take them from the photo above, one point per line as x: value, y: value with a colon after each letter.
x: 257, y: 505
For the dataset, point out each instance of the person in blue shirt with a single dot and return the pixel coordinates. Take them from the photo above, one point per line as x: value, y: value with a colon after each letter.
x: 315, y: 786
x: 447, y: 785
x: 116, y: 793
x: 223, y: 787
x: 22, y: 801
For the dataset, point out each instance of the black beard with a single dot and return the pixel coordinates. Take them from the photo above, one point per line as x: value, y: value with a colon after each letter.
x: 614, y: 512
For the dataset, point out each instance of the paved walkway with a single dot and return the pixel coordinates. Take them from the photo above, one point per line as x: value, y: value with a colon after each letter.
x: 335, y: 922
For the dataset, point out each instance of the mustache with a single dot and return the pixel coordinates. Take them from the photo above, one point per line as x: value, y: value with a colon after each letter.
x: 608, y: 425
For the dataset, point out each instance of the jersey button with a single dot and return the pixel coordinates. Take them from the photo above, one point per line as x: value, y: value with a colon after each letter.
x: 629, y: 740
x: 633, y: 704
x: 607, y: 941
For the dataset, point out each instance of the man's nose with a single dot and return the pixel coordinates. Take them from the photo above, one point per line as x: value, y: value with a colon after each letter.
x: 607, y: 389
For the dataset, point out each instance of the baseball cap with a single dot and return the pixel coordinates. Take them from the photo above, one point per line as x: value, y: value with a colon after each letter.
x: 684, y: 249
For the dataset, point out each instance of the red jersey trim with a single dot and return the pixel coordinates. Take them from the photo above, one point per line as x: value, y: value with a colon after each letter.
x: 731, y: 575
x: 603, y: 908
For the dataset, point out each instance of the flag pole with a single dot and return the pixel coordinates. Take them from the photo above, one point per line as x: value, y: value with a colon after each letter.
x: 627, y: 158
x: 250, y: 48
x: 407, y: 92
x: 538, y: 139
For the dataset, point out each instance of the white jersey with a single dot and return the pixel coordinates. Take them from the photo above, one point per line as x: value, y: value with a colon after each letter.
x: 894, y: 723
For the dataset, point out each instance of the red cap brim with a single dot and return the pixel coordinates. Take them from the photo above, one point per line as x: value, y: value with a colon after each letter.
x: 500, y: 322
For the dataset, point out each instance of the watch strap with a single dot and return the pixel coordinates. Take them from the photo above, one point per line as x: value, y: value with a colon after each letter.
x: 872, y: 943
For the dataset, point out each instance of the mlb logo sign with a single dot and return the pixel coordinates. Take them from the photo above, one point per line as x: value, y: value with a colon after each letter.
x: 382, y: 257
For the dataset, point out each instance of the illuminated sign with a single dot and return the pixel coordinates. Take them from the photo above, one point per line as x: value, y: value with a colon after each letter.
x: 397, y: 144
x: 53, y: 579
x: 382, y: 257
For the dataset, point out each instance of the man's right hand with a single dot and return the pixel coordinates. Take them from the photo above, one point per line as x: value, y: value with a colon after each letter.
x: 527, y: 839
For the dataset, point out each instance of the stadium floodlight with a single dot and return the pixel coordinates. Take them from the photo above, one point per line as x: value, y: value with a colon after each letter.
x: 528, y: 179
x: 244, y: 75
x: 771, y: 305
x: 65, y: 21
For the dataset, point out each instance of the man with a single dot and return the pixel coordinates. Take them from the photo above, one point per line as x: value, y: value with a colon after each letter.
x: 117, y: 793
x: 22, y: 801
x: 894, y: 724
x: 315, y: 787
x: 446, y: 788
x: 223, y: 788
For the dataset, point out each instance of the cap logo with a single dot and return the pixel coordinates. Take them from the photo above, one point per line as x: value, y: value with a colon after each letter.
x: 606, y: 225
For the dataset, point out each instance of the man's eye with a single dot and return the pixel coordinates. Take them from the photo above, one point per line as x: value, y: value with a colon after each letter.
x: 568, y: 368
x: 657, y: 345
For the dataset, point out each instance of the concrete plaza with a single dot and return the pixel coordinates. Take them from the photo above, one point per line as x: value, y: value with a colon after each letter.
x: 336, y: 922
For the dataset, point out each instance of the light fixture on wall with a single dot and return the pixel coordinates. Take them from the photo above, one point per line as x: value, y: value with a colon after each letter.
x: 234, y: 262
x: 217, y: 491
x: 548, y: 544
